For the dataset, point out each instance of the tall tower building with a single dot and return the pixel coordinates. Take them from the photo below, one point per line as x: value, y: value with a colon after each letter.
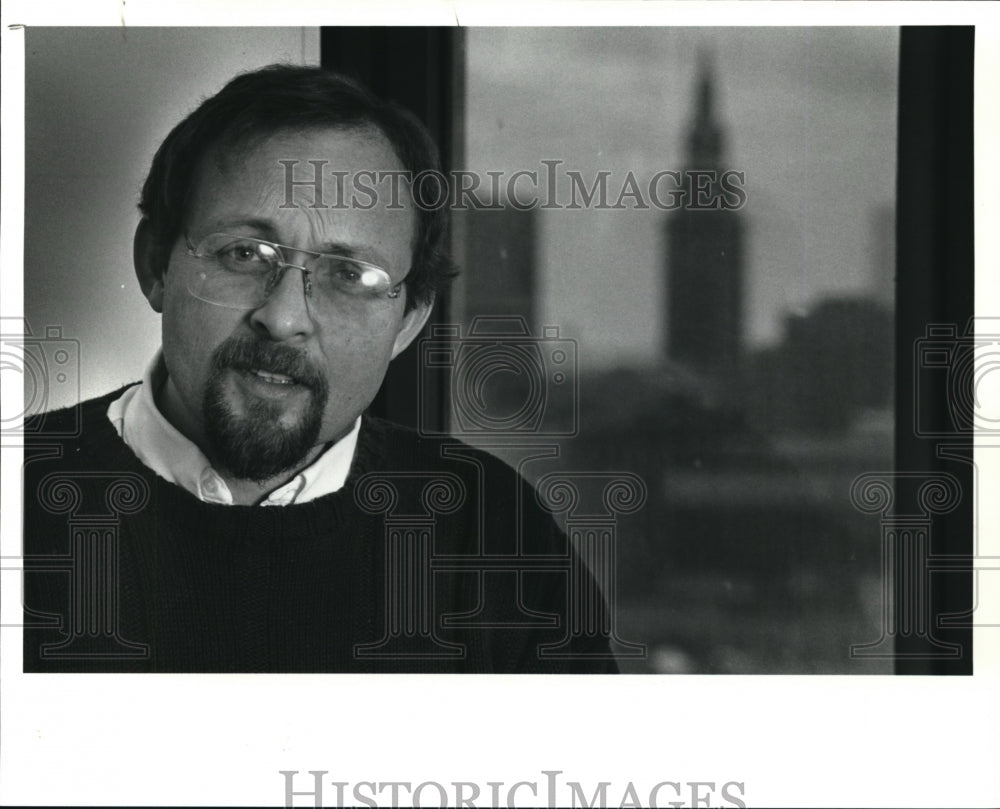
x: 705, y: 253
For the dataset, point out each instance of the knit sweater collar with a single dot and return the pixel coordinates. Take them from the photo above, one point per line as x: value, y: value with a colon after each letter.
x: 99, y: 439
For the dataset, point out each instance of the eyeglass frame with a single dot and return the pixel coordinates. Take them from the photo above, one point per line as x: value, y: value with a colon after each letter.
x: 278, y: 273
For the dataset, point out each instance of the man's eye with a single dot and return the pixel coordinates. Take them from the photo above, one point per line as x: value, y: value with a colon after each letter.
x: 342, y: 272
x: 345, y: 276
x: 241, y: 253
x: 243, y: 257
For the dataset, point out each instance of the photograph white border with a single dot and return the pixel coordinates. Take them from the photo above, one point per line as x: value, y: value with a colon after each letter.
x: 222, y: 739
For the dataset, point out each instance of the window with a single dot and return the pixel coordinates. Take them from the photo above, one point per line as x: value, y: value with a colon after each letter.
x: 816, y: 240
x: 728, y: 290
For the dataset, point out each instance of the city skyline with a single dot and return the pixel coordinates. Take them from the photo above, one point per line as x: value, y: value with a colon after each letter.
x: 809, y: 115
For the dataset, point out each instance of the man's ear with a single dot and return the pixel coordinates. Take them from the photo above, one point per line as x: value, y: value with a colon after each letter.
x: 413, y: 322
x: 144, y: 261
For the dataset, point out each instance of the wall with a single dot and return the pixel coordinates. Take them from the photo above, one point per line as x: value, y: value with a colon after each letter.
x: 98, y: 103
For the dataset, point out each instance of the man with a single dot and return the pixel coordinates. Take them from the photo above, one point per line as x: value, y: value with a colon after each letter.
x: 238, y: 510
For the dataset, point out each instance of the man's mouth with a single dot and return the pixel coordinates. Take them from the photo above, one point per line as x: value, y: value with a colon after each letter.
x: 263, y: 380
x: 271, y: 377
x: 269, y: 371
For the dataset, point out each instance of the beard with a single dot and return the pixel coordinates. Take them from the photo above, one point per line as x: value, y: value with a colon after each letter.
x: 257, y: 444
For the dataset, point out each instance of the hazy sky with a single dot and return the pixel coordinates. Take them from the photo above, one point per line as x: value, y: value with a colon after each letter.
x: 809, y: 115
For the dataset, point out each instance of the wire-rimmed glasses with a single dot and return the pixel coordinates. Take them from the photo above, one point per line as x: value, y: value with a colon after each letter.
x: 240, y: 272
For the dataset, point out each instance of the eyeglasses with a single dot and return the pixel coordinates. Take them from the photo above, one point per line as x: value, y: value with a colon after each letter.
x: 241, y: 272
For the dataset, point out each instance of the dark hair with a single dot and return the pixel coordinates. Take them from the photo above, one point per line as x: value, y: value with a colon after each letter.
x: 261, y: 103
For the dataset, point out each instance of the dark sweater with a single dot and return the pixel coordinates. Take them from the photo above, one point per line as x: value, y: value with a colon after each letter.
x: 125, y: 571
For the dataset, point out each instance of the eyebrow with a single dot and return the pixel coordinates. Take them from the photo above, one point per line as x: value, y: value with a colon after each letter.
x: 265, y: 226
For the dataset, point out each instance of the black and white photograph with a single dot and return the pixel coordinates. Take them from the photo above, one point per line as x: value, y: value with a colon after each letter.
x: 653, y: 359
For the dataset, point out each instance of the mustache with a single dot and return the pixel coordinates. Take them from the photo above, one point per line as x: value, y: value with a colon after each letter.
x: 246, y: 353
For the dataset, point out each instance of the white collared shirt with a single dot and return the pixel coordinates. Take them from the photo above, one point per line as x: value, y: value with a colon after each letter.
x: 161, y: 447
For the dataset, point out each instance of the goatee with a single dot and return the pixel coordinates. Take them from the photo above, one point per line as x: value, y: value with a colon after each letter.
x: 257, y: 444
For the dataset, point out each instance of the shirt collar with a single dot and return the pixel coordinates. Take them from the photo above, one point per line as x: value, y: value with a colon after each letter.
x: 168, y: 453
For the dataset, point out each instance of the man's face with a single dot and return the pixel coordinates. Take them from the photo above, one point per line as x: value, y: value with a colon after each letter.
x: 257, y: 389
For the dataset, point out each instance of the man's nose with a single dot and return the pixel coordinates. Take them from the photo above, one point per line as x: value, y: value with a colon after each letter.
x: 284, y: 316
